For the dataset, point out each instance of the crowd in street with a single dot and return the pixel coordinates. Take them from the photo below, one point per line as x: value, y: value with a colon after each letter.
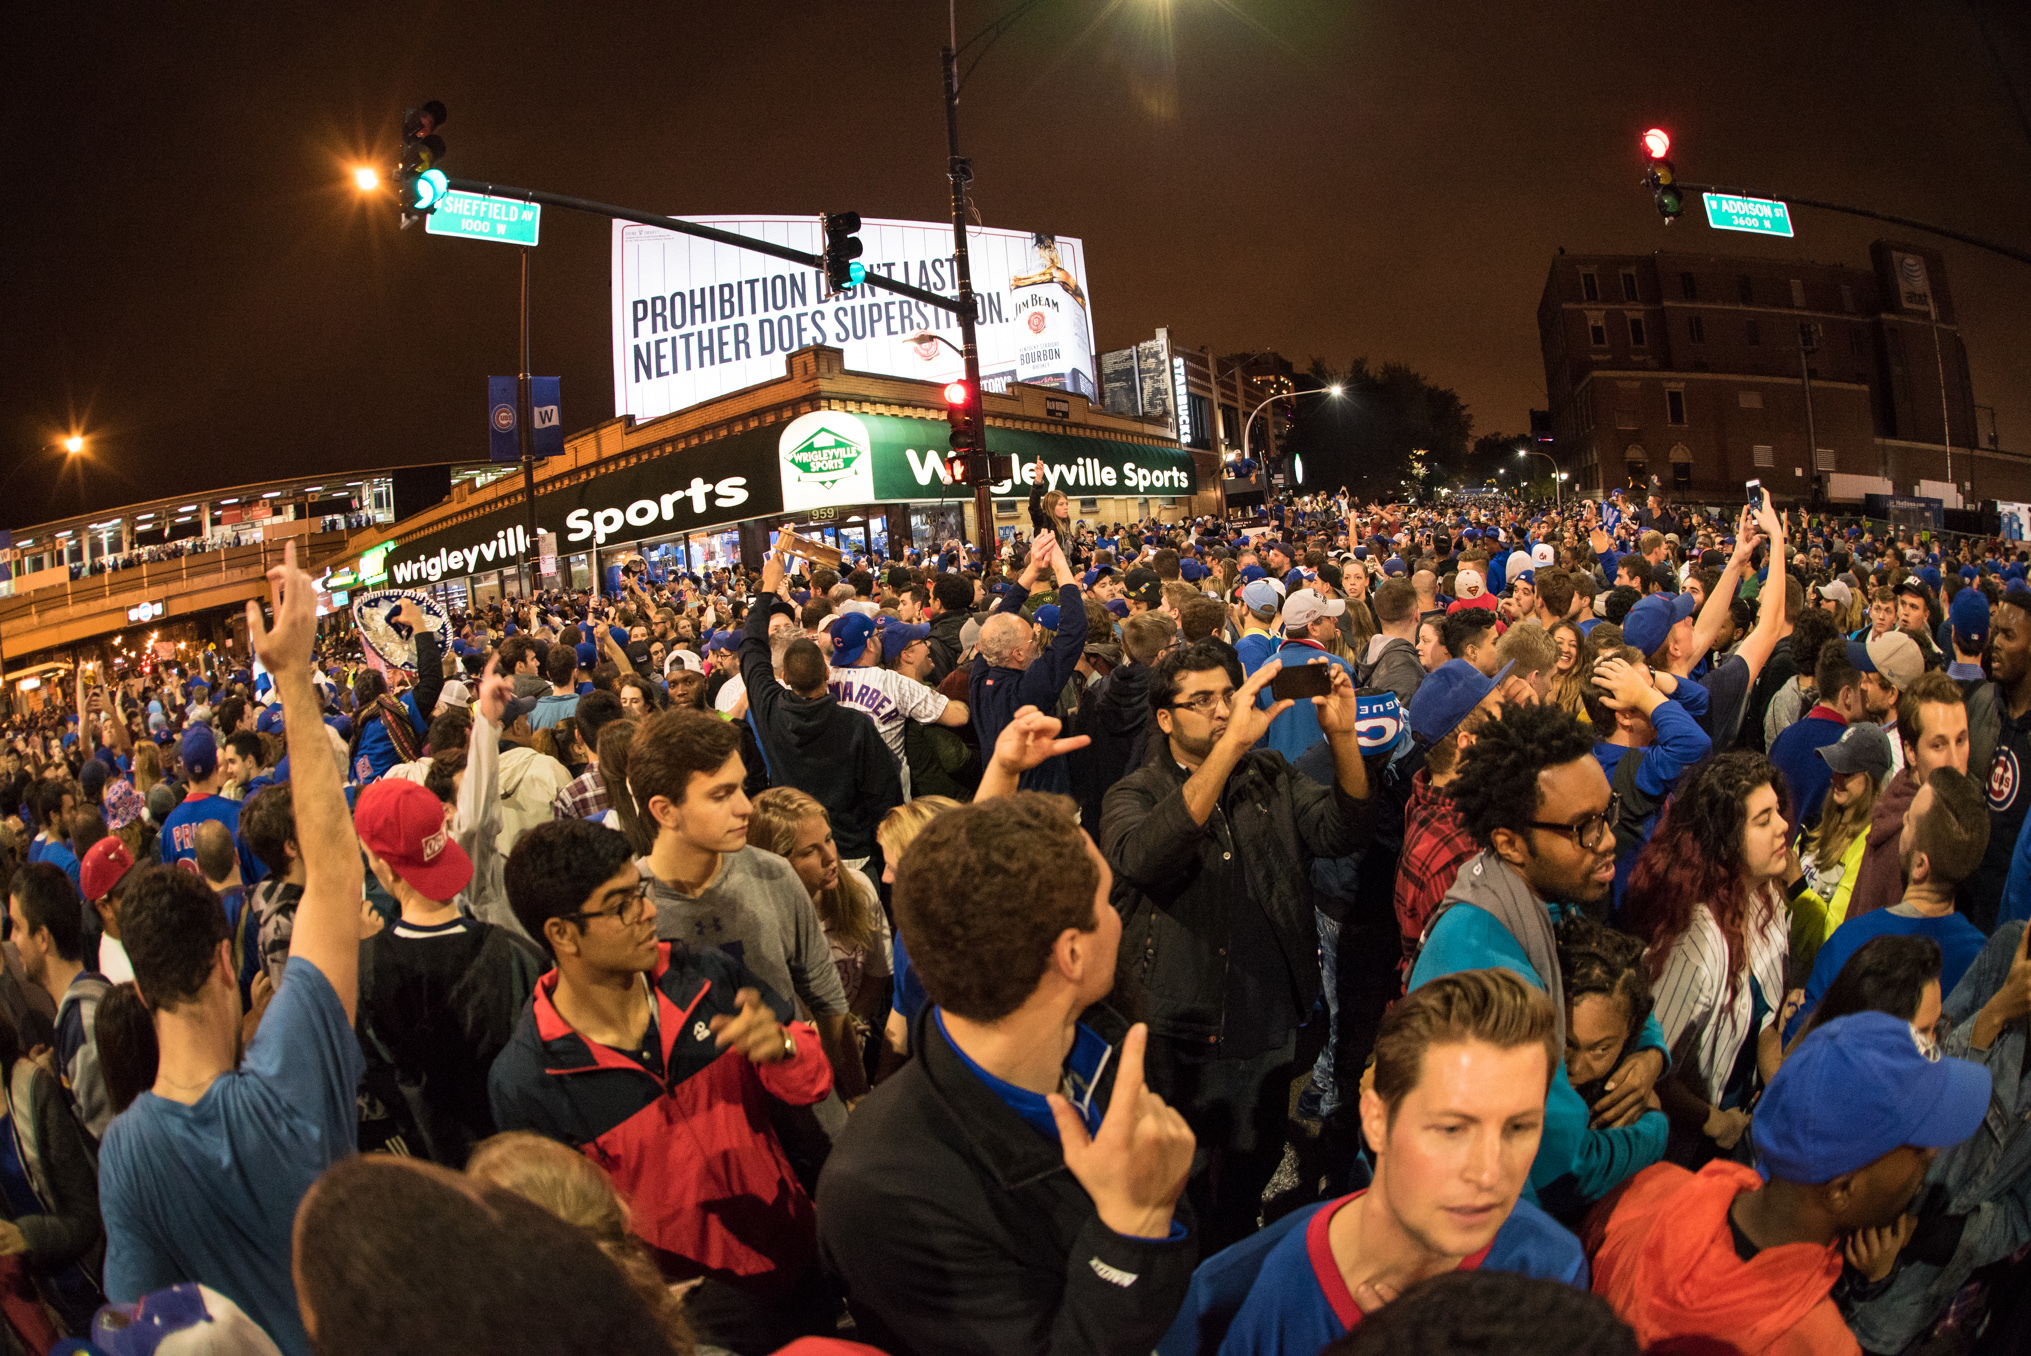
x: 1595, y: 928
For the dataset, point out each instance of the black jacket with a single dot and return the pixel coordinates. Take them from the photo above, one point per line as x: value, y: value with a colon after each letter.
x: 1171, y: 880
x: 1114, y: 712
x: 957, y: 1228
x: 832, y: 752
x: 996, y: 694
x: 944, y: 644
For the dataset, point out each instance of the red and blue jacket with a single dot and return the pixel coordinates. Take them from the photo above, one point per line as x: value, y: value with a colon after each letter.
x: 692, y: 1150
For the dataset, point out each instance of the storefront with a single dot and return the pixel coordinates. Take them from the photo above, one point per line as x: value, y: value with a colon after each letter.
x: 854, y: 480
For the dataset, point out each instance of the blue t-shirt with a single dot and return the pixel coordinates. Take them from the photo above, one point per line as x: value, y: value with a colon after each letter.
x: 1083, y: 1069
x: 56, y: 854
x: 179, y: 835
x: 908, y: 996
x: 209, y: 1192
x: 1279, y: 1292
x: 1959, y: 943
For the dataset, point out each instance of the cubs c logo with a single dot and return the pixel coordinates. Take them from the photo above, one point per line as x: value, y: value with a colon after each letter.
x: 2004, y: 778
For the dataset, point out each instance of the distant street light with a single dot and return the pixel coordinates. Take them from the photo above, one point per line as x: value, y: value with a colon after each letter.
x: 366, y: 179
x: 74, y: 444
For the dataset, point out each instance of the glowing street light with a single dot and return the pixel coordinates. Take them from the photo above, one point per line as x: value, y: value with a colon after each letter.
x: 366, y: 179
x: 74, y: 444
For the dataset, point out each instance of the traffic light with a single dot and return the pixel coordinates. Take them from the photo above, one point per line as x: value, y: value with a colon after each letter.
x: 966, y: 439
x: 842, y: 247
x: 419, y: 184
x: 1660, y: 175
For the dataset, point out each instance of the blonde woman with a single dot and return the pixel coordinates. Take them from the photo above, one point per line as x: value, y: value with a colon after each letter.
x: 574, y: 1188
x: 1569, y: 676
x: 147, y: 767
x: 795, y: 827
x: 1829, y: 855
x: 895, y: 833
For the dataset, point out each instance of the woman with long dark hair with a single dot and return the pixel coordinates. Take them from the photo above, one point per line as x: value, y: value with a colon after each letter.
x: 1706, y: 897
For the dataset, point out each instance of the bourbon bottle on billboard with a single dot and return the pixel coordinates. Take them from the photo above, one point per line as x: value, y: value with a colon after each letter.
x: 1054, y: 339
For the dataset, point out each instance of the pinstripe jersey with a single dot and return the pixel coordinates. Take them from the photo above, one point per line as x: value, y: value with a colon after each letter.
x: 1702, y: 1019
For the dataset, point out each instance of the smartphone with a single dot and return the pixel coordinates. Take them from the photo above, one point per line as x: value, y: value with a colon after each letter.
x: 1300, y: 681
x: 1755, y: 488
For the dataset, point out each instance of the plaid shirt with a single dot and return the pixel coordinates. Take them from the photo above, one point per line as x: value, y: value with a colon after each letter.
x: 583, y: 798
x: 1435, y: 844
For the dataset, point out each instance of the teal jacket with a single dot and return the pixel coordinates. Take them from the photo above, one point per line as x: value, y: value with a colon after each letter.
x: 1596, y: 1161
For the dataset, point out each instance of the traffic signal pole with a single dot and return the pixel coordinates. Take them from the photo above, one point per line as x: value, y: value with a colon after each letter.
x: 960, y: 171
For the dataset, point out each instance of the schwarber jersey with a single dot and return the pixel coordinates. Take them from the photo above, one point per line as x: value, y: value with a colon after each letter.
x: 889, y: 698
x: 179, y: 835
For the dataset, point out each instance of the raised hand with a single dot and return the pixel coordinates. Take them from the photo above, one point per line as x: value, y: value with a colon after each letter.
x: 495, y: 691
x: 285, y: 646
x: 1338, y: 710
x: 1247, y: 723
x: 753, y: 1031
x: 1135, y: 1167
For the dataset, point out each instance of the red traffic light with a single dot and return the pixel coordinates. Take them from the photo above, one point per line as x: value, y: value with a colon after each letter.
x: 1657, y: 143
x: 956, y: 393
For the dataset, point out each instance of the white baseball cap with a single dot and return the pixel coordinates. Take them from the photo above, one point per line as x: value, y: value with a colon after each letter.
x: 1306, y: 606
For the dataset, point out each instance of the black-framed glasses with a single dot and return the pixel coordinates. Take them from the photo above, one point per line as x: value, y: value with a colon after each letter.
x: 628, y: 910
x: 1589, y: 832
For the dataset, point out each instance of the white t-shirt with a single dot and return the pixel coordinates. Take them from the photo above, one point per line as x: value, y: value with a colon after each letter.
x: 889, y: 698
x: 113, y: 963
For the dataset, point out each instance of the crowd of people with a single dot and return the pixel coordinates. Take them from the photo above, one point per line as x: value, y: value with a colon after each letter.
x: 1360, y: 928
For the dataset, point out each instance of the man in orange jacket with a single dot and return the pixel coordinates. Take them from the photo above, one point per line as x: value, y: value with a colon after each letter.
x: 1844, y: 1133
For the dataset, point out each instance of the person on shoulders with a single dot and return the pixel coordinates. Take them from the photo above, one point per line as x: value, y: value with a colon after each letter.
x: 1452, y: 1114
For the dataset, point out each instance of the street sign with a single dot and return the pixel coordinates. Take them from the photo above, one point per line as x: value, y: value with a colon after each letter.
x: 477, y: 216
x: 1758, y: 216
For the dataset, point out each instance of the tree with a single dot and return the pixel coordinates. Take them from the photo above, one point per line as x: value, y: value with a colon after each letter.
x: 1389, y: 433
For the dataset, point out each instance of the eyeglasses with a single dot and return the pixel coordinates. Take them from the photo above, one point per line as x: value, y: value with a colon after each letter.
x: 1205, y: 703
x: 1588, y: 833
x: 629, y: 910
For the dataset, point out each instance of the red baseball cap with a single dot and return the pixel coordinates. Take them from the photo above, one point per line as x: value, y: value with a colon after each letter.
x: 403, y: 824
x: 106, y: 864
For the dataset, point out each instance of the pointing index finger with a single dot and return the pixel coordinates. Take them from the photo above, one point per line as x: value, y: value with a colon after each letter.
x: 1128, y: 1082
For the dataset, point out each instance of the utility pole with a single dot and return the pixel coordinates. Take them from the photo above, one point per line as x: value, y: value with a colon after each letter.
x: 960, y: 171
x: 526, y: 437
x: 1808, y: 343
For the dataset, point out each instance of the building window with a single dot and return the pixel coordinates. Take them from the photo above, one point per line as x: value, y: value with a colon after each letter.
x: 1689, y: 285
x: 1745, y: 290
x: 1674, y: 406
x: 1798, y: 293
x: 1089, y: 506
x: 1628, y: 284
x: 1636, y: 337
x: 1823, y: 459
x: 1749, y: 400
x: 1681, y: 475
x: 1764, y: 455
x: 1696, y: 328
x: 1855, y: 345
x: 1626, y: 419
x: 1754, y: 333
x: 1590, y: 286
x: 1230, y: 425
x: 1202, y: 421
x: 1597, y: 331
x: 1847, y: 298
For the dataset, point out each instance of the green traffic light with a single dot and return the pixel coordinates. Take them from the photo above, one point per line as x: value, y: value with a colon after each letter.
x: 855, y: 274
x: 431, y: 186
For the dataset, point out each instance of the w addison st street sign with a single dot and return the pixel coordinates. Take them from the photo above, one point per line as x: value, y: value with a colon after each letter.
x: 1758, y: 216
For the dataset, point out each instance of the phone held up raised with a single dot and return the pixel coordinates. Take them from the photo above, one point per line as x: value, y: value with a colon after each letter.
x: 1755, y: 489
x: 1297, y: 682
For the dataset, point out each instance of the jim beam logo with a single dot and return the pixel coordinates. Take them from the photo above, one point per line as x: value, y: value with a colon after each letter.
x: 827, y: 460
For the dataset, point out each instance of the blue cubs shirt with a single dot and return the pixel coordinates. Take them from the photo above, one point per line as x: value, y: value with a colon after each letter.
x: 1280, y: 1293
x: 179, y: 835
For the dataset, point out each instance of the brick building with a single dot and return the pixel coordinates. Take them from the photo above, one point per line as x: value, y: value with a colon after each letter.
x: 1702, y: 371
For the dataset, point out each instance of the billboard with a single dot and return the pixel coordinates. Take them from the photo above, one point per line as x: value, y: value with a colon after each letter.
x: 694, y: 319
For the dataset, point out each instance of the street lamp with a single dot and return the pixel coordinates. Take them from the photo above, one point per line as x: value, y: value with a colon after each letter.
x: 1334, y: 391
x: 1558, y: 496
x: 74, y: 444
x: 366, y: 178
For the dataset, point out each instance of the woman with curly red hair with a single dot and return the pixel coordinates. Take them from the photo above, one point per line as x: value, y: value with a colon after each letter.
x: 1707, y: 897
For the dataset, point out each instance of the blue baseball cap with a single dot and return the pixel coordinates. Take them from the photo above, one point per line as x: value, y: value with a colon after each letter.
x: 1856, y: 1089
x: 1378, y: 720
x: 1118, y: 606
x: 849, y: 637
x: 1970, y: 616
x: 588, y: 654
x: 270, y: 719
x: 1046, y: 616
x: 1251, y: 573
x: 1263, y: 593
x: 1392, y: 566
x: 199, y: 751
x: 1652, y: 618
x: 1447, y: 694
x: 900, y: 636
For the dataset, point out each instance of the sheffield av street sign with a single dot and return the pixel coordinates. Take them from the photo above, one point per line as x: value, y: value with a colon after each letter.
x: 1758, y: 216
x: 479, y: 217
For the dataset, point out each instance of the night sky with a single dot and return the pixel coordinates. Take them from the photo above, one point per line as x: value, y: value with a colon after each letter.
x: 192, y: 281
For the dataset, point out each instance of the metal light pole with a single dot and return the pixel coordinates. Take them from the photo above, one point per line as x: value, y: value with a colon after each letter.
x: 525, y: 437
x: 1333, y: 391
x: 959, y: 170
